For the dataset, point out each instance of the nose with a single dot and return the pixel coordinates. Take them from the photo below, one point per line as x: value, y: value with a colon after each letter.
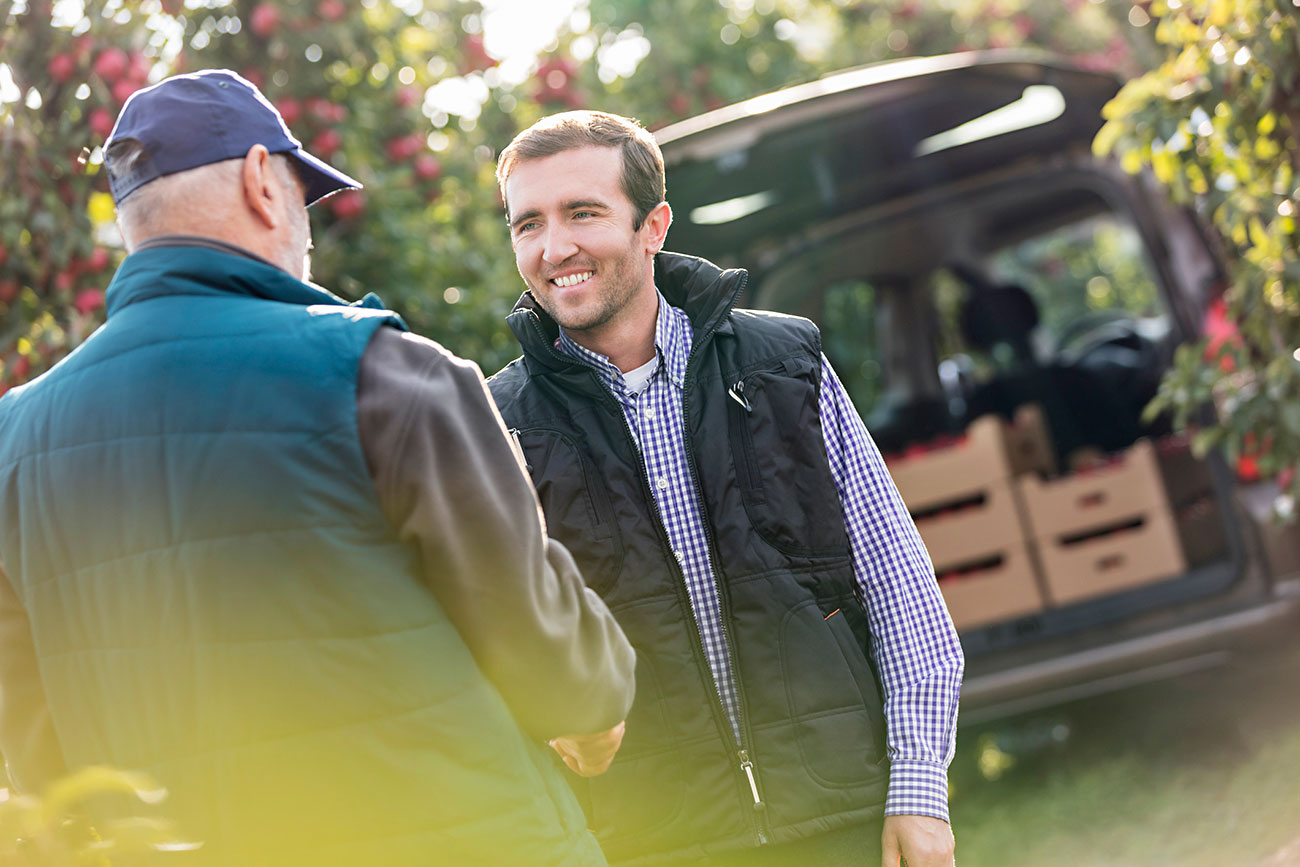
x: 558, y: 245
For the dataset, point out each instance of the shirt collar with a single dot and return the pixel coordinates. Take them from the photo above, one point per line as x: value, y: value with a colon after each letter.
x: 672, y: 343
x: 179, y: 240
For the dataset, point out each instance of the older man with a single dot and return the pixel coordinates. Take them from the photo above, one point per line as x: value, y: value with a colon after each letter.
x: 277, y: 551
x: 721, y: 493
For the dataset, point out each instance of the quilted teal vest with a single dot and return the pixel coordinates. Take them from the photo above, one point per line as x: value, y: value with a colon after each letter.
x: 216, y: 597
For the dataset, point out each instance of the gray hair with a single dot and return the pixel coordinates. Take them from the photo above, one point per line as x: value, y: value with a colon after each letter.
x: 152, y: 209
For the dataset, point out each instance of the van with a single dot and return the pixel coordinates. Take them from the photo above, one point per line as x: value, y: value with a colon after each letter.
x: 1001, y: 305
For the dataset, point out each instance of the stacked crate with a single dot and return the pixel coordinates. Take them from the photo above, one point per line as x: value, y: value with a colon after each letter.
x: 963, y: 499
x: 1106, y: 529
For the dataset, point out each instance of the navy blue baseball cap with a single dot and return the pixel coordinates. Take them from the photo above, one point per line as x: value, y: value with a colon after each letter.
x: 198, y: 118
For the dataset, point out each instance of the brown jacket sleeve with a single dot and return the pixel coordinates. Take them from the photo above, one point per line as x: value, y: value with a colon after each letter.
x: 28, y: 743
x: 451, y: 484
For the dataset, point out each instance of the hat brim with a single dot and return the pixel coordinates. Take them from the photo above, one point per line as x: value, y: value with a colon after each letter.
x: 320, y: 179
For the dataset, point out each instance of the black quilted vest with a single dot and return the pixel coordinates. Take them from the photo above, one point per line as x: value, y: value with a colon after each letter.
x: 813, y: 733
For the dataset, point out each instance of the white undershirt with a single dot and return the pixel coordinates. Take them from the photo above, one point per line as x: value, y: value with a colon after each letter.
x: 637, y: 379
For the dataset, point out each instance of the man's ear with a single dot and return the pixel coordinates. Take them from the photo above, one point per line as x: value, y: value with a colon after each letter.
x: 261, y: 194
x: 656, y: 227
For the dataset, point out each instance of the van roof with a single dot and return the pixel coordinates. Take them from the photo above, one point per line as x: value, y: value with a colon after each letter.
x: 808, y: 153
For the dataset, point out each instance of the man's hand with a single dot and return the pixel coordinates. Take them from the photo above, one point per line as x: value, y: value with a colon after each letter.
x: 922, y: 840
x: 589, y: 755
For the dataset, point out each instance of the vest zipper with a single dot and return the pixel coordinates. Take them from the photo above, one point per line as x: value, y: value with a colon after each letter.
x: 724, y: 597
x: 737, y: 393
x: 748, y: 767
x: 724, y: 600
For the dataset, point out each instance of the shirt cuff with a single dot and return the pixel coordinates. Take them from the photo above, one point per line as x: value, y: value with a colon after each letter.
x: 917, y: 789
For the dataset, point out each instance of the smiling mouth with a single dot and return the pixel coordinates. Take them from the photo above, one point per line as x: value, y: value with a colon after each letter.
x: 572, y: 279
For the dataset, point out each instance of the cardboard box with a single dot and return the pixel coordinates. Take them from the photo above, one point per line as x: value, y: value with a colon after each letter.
x: 1029, y: 443
x: 1129, y: 486
x: 1000, y: 587
x: 986, y: 522
x: 1111, y: 561
x: 977, y: 460
x: 990, y: 451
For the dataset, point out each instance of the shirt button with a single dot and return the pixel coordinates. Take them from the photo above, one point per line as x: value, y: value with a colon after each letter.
x: 662, y: 483
x: 681, y: 558
x: 649, y: 413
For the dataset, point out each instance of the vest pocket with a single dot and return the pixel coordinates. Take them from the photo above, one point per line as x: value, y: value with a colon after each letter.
x: 578, y: 515
x: 780, y: 458
x: 835, y: 706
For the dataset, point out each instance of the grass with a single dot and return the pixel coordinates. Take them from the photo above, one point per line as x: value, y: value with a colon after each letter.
x: 1200, y: 771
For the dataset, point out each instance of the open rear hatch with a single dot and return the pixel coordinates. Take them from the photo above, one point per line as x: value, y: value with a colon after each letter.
x: 897, y: 205
x: 752, y: 176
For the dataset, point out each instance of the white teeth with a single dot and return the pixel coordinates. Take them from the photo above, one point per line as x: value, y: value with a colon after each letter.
x: 571, y: 279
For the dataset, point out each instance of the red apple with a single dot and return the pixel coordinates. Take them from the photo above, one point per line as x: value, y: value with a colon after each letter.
x: 476, y: 56
x: 8, y: 291
x: 22, y: 367
x: 97, y: 261
x: 321, y: 108
x: 173, y: 7
x: 265, y: 20
x: 111, y: 64
x: 427, y: 167
x: 89, y: 300
x: 138, y: 68
x: 101, y: 122
x: 61, y: 68
x: 562, y: 66
x: 408, y: 95
x: 290, y: 110
x: 347, y: 204
x: 331, y: 10
x: 327, y: 111
x: 123, y: 88
x: 254, y: 76
x: 403, y: 148
x: 64, y: 279
x: 326, y: 143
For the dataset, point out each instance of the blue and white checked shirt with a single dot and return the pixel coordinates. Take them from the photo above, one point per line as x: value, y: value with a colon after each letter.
x: 915, y: 645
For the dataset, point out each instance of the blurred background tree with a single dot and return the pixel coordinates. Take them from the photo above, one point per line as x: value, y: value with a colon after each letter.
x: 1216, y: 122
x: 415, y: 98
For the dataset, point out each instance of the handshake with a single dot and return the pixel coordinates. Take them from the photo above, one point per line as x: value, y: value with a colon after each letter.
x: 589, y: 755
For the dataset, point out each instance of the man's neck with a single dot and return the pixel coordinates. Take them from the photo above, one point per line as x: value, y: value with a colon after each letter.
x: 628, y: 341
x: 182, y: 240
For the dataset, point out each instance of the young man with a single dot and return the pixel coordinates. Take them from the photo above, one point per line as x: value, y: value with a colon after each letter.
x: 278, y: 552
x: 722, y: 495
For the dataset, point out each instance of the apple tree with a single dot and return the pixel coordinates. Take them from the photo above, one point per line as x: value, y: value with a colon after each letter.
x: 1218, y: 124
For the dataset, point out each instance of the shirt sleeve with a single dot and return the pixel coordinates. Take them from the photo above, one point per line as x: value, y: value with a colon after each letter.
x: 450, y: 483
x: 28, y: 744
x: 914, y: 644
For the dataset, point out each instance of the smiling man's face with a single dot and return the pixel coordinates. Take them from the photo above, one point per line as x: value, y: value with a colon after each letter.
x: 571, y: 226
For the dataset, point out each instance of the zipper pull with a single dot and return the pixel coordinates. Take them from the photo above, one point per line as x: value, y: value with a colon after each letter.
x: 737, y: 393
x: 748, y: 767
x: 519, y: 450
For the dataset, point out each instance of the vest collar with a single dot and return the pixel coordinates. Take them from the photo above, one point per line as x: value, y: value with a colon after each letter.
x: 167, y: 270
x: 703, y: 290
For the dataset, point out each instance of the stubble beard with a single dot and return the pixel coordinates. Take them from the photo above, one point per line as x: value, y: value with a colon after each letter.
x: 616, y: 296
